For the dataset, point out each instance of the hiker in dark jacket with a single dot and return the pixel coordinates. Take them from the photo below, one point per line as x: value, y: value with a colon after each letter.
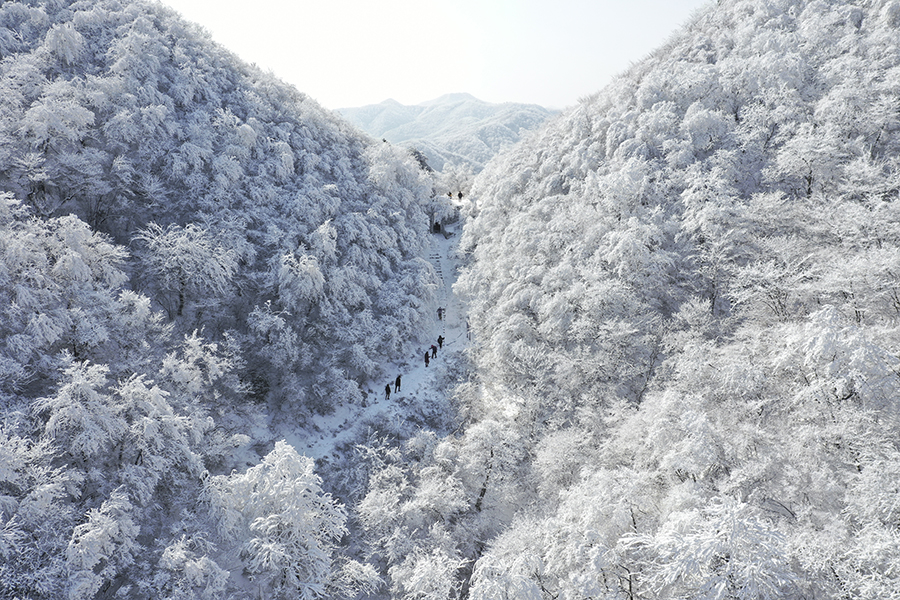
x: 440, y: 341
x: 426, y: 358
x: 397, y: 384
x: 387, y: 392
x: 433, y: 351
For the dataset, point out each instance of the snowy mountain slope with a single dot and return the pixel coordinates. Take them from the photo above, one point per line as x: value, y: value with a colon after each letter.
x: 682, y: 373
x: 191, y: 252
x: 685, y: 348
x: 127, y: 116
x: 423, y: 398
x: 378, y: 119
x: 455, y: 128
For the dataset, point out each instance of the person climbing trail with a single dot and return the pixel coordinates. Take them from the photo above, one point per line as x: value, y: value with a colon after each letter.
x: 415, y: 388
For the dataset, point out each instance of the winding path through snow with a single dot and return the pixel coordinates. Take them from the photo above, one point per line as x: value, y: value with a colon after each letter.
x: 322, y: 438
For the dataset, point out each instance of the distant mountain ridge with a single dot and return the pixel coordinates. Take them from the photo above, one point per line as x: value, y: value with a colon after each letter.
x: 454, y: 128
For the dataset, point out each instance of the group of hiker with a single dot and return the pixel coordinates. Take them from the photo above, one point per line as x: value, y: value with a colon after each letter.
x: 387, y: 388
x: 429, y: 354
x: 433, y: 350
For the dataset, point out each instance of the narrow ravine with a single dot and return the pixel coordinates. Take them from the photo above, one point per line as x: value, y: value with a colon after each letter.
x: 326, y: 434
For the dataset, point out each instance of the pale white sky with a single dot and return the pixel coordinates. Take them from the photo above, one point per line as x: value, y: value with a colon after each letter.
x: 347, y: 53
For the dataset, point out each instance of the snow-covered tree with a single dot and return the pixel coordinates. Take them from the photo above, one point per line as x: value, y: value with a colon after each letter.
x: 188, y: 264
x: 280, y: 526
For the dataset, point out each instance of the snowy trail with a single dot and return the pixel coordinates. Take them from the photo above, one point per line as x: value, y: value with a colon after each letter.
x: 326, y: 434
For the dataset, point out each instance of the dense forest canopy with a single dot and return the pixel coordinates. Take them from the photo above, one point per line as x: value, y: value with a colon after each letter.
x: 683, y: 293
x: 237, y: 196
x: 189, y: 248
x: 683, y: 353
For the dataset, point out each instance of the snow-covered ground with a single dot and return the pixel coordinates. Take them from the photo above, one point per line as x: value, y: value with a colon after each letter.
x: 322, y: 438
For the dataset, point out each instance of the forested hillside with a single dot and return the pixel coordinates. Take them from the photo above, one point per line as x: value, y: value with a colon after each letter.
x: 685, y: 297
x: 189, y: 251
x: 684, y: 310
x: 683, y: 328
